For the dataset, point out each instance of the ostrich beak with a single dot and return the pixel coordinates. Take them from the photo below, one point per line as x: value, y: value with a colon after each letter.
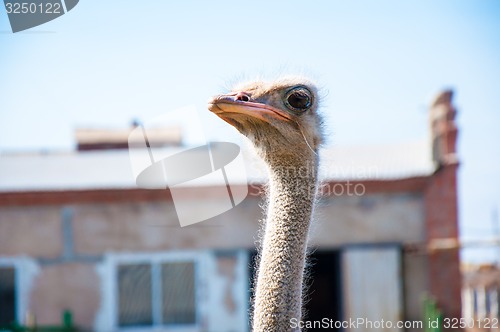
x: 229, y: 106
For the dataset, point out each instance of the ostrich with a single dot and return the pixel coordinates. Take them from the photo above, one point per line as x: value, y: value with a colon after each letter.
x: 280, y: 118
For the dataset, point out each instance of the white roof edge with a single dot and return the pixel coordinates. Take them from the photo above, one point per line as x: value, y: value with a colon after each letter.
x: 111, y: 169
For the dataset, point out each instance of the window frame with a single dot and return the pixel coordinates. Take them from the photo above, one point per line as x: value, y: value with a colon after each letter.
x: 25, y: 271
x: 113, y: 261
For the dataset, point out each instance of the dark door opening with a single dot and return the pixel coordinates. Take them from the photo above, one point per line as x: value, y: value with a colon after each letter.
x: 324, y: 295
x: 7, y: 296
x: 324, y: 292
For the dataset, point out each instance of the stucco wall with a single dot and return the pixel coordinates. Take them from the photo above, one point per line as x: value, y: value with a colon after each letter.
x: 66, y: 286
x: 369, y: 218
x: 31, y: 231
x: 153, y: 226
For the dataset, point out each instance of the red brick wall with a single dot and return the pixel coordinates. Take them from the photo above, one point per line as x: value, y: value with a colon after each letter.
x: 441, y: 217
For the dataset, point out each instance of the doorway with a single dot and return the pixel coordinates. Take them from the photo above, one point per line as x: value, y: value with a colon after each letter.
x: 323, y: 297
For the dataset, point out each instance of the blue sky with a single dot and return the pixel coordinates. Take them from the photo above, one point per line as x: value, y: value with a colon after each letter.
x: 379, y: 63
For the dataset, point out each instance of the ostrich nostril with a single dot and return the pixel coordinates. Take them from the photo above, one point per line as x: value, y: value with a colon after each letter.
x: 241, y: 96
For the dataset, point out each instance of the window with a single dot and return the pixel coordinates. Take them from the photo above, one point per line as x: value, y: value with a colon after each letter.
x: 135, y: 295
x: 178, y: 290
x: 157, y: 290
x: 7, y: 295
x: 175, y: 291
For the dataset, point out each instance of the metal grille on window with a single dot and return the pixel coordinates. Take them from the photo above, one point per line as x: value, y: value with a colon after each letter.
x: 7, y: 295
x: 135, y: 295
x: 178, y: 293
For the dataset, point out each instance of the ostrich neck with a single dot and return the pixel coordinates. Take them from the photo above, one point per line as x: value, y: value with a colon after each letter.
x: 278, y: 296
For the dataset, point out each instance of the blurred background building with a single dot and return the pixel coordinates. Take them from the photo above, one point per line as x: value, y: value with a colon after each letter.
x: 481, y: 285
x: 77, y: 234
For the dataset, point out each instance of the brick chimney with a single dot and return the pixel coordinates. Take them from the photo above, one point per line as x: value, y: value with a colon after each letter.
x: 441, y: 208
x: 443, y: 129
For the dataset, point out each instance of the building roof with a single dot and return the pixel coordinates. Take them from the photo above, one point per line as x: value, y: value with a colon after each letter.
x: 104, y: 139
x: 111, y: 169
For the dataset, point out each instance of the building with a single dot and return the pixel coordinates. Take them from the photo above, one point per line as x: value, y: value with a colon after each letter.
x: 76, y: 233
x: 480, y: 296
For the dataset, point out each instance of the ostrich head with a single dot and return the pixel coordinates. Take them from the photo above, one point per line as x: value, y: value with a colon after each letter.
x: 279, y: 117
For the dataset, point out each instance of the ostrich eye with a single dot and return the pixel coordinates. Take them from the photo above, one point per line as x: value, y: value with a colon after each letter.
x: 298, y: 99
